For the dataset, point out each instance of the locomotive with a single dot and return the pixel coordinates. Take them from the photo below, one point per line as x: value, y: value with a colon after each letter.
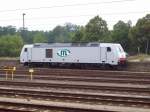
x: 93, y: 53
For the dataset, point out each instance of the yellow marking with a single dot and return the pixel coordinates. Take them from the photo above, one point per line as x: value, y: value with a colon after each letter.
x: 12, y: 69
x: 31, y: 73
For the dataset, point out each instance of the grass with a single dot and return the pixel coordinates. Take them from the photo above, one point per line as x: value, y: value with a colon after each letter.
x: 9, y: 58
x: 139, y: 57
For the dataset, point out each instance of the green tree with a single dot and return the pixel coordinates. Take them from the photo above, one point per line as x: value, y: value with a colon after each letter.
x: 39, y: 37
x: 49, y: 36
x: 8, y: 30
x: 79, y: 34
x: 60, y: 34
x: 64, y: 33
x: 26, y: 35
x: 96, y: 30
x: 120, y: 34
x: 10, y: 45
x: 140, y: 34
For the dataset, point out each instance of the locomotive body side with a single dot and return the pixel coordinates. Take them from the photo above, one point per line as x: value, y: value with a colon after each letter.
x: 101, y: 53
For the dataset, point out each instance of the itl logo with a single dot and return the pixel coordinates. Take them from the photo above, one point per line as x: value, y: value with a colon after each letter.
x: 63, y: 52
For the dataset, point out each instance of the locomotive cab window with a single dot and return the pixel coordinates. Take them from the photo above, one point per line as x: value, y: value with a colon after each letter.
x: 49, y: 53
x: 108, y: 49
x: 25, y: 50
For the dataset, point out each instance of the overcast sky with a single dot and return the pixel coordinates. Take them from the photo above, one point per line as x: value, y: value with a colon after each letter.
x: 46, y: 14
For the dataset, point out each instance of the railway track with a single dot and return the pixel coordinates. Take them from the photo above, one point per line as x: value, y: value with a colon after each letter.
x: 96, y: 76
x: 78, y: 71
x: 133, y: 80
x: 41, y: 106
x: 92, y: 73
x: 84, y: 73
x: 64, y: 107
x: 125, y: 90
x: 82, y: 97
x: 130, y: 88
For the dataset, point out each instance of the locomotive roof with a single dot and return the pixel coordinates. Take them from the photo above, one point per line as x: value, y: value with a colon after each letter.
x: 92, y: 44
x: 66, y: 44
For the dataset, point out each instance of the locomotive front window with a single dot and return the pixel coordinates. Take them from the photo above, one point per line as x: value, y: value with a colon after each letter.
x: 49, y: 53
x: 108, y: 49
x: 25, y: 50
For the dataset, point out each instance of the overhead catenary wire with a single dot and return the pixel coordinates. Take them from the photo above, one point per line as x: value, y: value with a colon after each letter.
x: 67, y: 5
x: 84, y: 15
x: 71, y: 16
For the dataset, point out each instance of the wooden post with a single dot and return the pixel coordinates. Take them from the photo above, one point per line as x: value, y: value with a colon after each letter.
x: 12, y: 73
x: 31, y: 73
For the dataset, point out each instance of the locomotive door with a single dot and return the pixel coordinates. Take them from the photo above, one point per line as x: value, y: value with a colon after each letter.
x: 103, y: 54
x: 110, y: 55
x: 29, y: 54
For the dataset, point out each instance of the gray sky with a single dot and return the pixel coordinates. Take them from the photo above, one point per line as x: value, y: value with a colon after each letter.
x: 46, y: 14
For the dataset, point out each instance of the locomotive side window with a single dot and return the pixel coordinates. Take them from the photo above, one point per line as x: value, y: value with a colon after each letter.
x: 108, y: 49
x: 25, y: 50
x: 49, y: 53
